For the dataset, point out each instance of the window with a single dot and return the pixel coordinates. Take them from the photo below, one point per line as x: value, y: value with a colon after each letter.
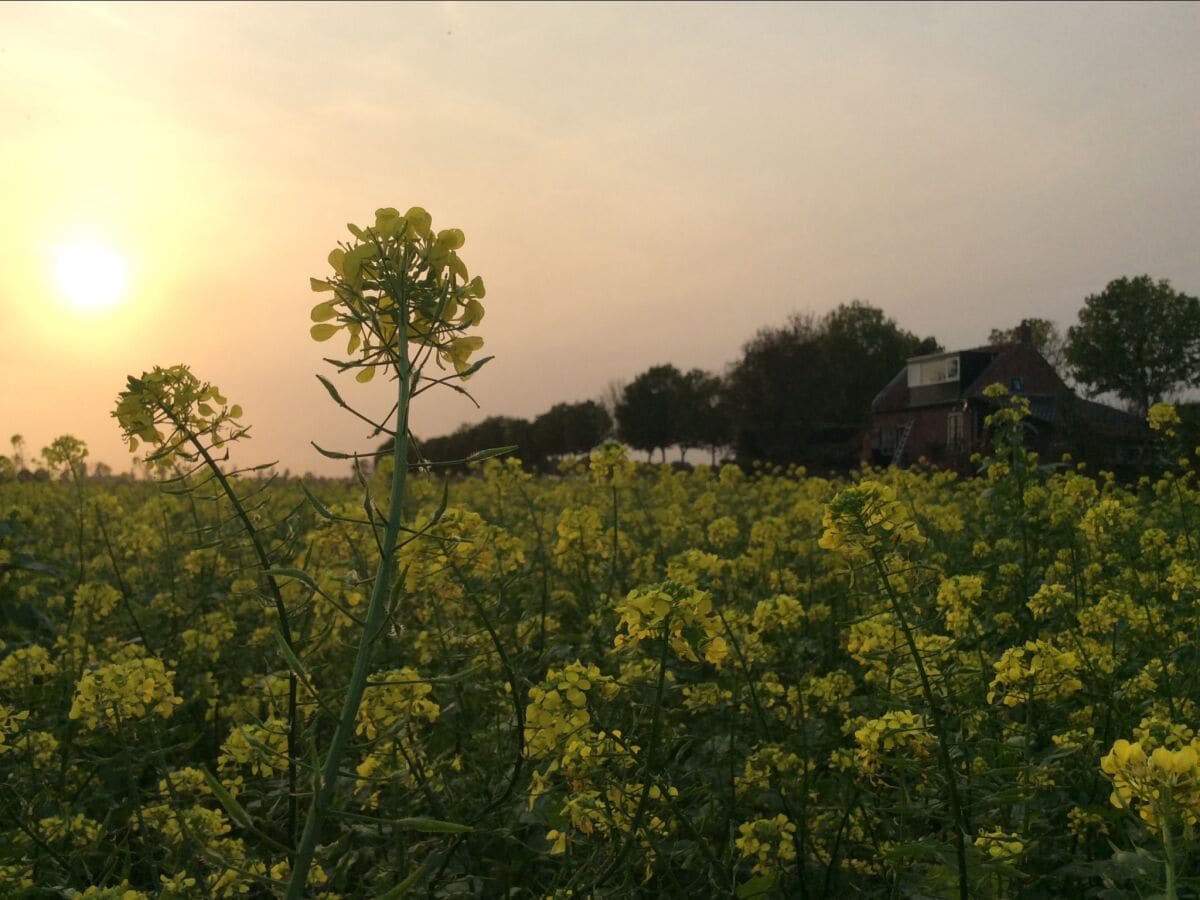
x: 887, y: 440
x: 1018, y: 384
x: 954, y: 431
x: 933, y: 371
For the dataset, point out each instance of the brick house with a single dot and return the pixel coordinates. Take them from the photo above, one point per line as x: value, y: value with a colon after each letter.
x: 935, y: 409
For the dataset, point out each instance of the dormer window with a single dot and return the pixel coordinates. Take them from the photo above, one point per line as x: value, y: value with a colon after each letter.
x: 933, y: 370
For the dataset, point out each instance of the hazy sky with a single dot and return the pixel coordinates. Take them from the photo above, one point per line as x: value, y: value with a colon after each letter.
x: 638, y: 184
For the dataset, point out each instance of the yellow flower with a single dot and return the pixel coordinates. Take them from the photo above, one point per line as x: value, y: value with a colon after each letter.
x: 124, y: 692
x: 867, y: 516
x: 1161, y: 785
x: 1163, y: 418
x: 458, y: 351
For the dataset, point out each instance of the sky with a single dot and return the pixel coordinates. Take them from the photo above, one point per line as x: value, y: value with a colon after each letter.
x: 638, y: 183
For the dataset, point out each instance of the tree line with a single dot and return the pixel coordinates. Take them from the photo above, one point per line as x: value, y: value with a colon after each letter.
x: 802, y: 392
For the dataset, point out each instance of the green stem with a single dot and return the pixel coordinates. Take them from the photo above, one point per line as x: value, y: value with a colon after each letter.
x: 1169, y: 863
x: 612, y: 572
x: 280, y: 608
x: 651, y: 755
x: 327, y: 781
x: 960, y: 825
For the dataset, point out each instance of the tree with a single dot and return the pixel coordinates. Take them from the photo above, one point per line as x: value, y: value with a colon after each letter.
x: 571, y: 428
x: 801, y: 393
x: 18, y: 455
x: 648, y: 413
x: 1046, y: 337
x: 702, y: 415
x: 1139, y: 339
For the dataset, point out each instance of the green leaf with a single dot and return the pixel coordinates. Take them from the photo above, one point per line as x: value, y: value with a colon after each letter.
x: 475, y: 367
x: 333, y: 391
x: 331, y: 454
x: 756, y: 887
x: 432, y: 826
x: 227, y: 800
x: 365, y: 374
x: 235, y: 809
x: 481, y: 455
x: 445, y: 501
x: 292, y: 659
x: 409, y: 882
x: 323, y: 332
x: 319, y: 285
x: 322, y: 510
x: 294, y: 574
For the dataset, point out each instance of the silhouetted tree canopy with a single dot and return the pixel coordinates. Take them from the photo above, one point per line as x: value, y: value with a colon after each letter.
x: 494, y: 431
x: 802, y: 393
x: 649, y: 411
x: 570, y: 428
x: 703, y: 414
x: 1138, y: 338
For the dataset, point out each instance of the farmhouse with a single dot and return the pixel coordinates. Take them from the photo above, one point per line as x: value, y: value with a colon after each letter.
x: 935, y: 409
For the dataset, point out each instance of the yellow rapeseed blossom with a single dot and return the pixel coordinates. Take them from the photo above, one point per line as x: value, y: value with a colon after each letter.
x: 558, y: 707
x: 957, y: 597
x: 1163, y: 418
x: 163, y: 406
x: 683, y: 614
x: 124, y: 692
x: 25, y: 667
x: 1000, y: 845
x: 400, y: 259
x: 263, y: 748
x: 610, y: 464
x: 899, y: 732
x: 10, y: 724
x: 767, y: 843
x: 1038, y: 670
x: 392, y: 699
x: 1084, y: 825
x: 867, y: 516
x: 1163, y: 785
x: 95, y: 601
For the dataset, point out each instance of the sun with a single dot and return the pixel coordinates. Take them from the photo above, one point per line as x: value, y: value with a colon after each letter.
x: 90, y: 275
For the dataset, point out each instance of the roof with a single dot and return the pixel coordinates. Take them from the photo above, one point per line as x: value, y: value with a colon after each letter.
x: 1003, y: 361
x: 1051, y: 400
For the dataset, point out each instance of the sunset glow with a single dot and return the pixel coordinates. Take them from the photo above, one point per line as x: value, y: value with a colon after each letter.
x: 90, y: 275
x: 649, y: 183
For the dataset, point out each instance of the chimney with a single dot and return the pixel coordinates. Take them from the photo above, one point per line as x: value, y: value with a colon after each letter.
x: 1024, y: 333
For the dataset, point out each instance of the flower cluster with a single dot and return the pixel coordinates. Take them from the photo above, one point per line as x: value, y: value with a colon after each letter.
x: 1038, y: 670
x: 392, y: 699
x: 767, y: 843
x: 167, y: 408
x: 1164, y: 419
x: 897, y: 732
x: 399, y: 277
x: 1000, y: 845
x: 867, y: 516
x: 124, y: 692
x: 558, y: 707
x: 1163, y: 785
x: 682, y: 614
